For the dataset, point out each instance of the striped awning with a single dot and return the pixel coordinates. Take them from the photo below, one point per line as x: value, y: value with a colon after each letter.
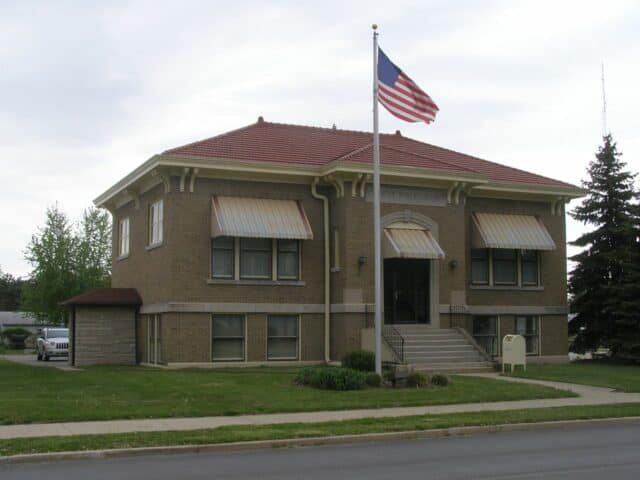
x: 259, y: 218
x: 525, y: 232
x: 410, y: 243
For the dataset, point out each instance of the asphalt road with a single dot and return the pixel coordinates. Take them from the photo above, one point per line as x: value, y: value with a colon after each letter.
x: 604, y: 451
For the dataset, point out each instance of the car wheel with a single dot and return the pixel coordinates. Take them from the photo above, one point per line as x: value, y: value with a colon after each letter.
x: 39, y: 357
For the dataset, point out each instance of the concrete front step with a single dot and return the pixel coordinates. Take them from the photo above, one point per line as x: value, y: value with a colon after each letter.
x: 454, y: 369
x: 441, y: 350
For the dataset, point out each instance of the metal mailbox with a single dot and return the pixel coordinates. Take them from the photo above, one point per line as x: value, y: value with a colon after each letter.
x: 514, y: 352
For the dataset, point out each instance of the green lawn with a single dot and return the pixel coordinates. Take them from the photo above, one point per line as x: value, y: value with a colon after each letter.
x: 33, y: 394
x: 620, y: 377
x: 300, y: 430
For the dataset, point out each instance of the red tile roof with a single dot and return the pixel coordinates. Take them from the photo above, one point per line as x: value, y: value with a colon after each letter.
x: 107, y: 296
x: 314, y: 146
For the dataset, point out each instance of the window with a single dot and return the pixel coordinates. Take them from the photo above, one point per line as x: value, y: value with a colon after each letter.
x: 529, y: 262
x: 222, y: 257
x: 154, y: 338
x: 155, y: 222
x: 288, y: 259
x: 505, y: 271
x: 123, y: 237
x: 480, y: 266
x: 282, y: 337
x: 527, y: 326
x: 227, y: 338
x: 255, y: 257
x: 485, y: 332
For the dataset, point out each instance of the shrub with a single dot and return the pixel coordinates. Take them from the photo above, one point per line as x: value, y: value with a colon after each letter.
x: 362, y: 360
x: 16, y: 336
x: 439, y: 380
x: 417, y: 379
x: 328, y: 378
x: 373, y: 379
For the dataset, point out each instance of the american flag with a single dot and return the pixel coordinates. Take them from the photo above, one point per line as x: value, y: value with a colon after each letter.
x: 400, y: 95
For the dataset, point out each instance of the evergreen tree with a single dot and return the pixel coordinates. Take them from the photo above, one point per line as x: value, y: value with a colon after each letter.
x: 605, y: 282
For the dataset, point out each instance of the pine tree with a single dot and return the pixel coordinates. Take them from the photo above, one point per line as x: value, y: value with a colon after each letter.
x: 605, y: 283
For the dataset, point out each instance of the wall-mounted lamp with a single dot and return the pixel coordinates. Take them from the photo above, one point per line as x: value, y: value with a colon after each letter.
x: 453, y: 263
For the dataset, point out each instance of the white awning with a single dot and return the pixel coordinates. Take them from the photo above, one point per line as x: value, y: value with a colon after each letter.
x: 525, y: 232
x: 410, y: 243
x: 259, y: 218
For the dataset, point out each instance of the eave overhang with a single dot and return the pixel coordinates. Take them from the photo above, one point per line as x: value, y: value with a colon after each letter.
x: 161, y: 167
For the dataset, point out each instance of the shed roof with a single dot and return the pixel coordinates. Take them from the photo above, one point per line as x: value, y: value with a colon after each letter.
x: 107, y: 296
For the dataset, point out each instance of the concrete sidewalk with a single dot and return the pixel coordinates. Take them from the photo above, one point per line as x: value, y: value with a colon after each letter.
x: 588, y: 395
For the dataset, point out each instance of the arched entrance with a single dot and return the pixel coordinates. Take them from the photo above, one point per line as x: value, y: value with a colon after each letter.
x: 410, y: 269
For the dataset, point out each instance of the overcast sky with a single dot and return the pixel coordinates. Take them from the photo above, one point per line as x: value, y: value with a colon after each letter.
x: 89, y: 90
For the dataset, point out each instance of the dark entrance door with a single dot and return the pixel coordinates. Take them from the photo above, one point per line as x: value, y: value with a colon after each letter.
x: 406, y: 290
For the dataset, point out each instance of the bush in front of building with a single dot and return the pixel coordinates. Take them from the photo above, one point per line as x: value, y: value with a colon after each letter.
x: 439, y: 380
x: 373, y: 379
x: 329, y: 378
x: 15, y: 337
x: 361, y: 360
x: 417, y: 380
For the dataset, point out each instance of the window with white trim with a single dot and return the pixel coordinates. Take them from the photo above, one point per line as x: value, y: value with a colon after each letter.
x: 485, y: 332
x: 529, y: 327
x: 505, y: 267
x: 529, y: 267
x: 156, y: 222
x: 223, y: 257
x: 282, y: 337
x: 227, y: 338
x: 256, y: 258
x: 288, y: 259
x: 123, y: 237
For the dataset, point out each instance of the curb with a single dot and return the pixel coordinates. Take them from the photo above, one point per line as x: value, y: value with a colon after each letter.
x: 310, y: 441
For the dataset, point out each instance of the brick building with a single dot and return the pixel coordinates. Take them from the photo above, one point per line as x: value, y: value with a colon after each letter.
x: 255, y: 246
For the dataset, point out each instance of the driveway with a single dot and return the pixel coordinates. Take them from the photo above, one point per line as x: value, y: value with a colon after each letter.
x: 31, y: 360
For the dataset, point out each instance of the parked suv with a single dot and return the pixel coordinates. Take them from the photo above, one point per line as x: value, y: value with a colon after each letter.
x: 53, y: 342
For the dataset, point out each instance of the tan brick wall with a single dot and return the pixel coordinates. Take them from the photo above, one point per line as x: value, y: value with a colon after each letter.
x: 256, y: 337
x: 312, y: 337
x: 105, y: 335
x: 178, y: 270
x: 345, y: 333
x: 146, y: 270
x: 555, y: 336
x: 186, y: 337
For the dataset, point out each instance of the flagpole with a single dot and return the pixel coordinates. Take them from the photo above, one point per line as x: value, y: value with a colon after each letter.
x: 377, y: 254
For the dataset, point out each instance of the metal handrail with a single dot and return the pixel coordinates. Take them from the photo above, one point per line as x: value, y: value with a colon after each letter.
x: 395, y: 340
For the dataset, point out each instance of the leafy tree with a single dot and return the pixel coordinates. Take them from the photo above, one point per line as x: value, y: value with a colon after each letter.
x: 94, y: 250
x: 51, y: 252
x: 10, y: 288
x: 605, y: 283
x: 66, y: 261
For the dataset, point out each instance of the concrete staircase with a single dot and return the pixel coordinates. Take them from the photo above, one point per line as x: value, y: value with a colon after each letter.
x: 442, y: 350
